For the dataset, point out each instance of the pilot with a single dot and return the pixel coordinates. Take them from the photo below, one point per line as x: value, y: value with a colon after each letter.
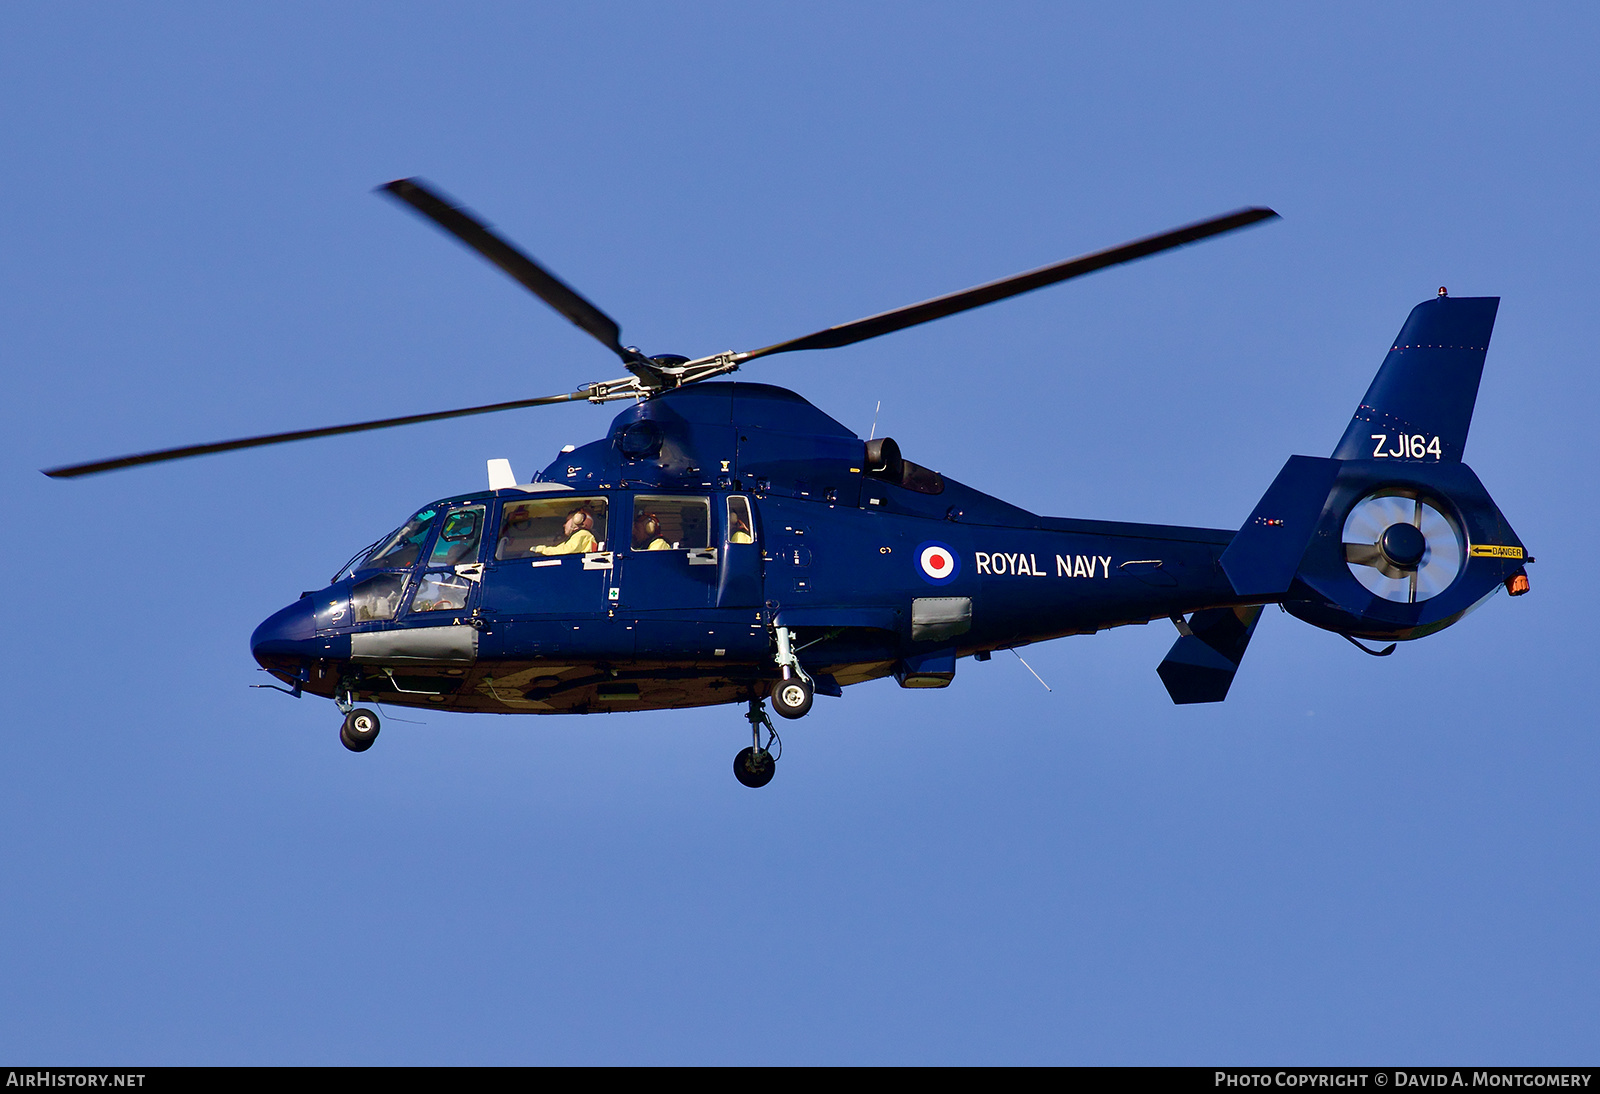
x: 580, y: 536
x: 738, y: 530
x: 647, y: 533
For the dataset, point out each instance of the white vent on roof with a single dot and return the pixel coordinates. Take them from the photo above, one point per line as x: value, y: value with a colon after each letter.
x: 501, y: 477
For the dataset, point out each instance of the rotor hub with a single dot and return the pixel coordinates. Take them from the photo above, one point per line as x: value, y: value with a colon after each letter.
x: 1403, y: 545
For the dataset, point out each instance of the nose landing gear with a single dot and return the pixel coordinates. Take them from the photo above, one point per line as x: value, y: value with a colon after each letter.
x: 755, y: 766
x: 360, y: 730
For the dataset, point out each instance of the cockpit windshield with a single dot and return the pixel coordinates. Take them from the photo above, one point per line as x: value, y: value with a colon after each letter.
x: 358, y: 560
x: 459, y: 536
x: 400, y: 550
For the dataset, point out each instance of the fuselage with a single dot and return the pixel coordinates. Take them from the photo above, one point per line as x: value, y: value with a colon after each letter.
x: 649, y: 569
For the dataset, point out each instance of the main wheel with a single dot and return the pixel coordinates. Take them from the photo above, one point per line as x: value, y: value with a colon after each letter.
x: 754, y: 767
x: 360, y: 729
x: 792, y: 697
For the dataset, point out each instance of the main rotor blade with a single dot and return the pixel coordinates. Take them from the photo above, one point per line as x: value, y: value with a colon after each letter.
x: 941, y: 306
x: 80, y: 469
x: 532, y: 276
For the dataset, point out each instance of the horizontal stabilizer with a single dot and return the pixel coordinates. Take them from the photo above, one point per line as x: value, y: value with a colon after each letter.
x: 1420, y: 404
x: 1201, y: 664
x: 1263, y: 557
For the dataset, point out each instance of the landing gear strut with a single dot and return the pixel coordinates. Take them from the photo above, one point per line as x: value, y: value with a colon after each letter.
x: 755, y: 765
x: 792, y: 697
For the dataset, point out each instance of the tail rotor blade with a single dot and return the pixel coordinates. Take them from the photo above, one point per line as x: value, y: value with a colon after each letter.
x: 1363, y: 554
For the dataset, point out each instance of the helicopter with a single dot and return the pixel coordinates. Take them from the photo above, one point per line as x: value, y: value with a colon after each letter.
x: 727, y: 542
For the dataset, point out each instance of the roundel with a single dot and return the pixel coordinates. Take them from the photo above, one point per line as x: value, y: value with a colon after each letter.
x: 937, y: 563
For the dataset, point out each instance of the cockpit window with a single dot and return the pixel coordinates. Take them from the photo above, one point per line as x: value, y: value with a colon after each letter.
x: 561, y: 526
x: 665, y: 523
x: 377, y: 597
x: 357, y: 561
x: 400, y: 550
x: 458, y: 538
x: 441, y: 591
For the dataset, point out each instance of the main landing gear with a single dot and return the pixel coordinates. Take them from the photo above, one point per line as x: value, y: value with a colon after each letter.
x: 792, y: 697
x: 756, y: 765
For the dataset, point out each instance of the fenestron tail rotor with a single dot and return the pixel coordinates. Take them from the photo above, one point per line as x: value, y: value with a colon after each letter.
x: 1401, y: 548
x: 651, y: 375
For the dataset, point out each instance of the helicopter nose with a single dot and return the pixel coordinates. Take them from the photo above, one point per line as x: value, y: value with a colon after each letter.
x: 288, y: 632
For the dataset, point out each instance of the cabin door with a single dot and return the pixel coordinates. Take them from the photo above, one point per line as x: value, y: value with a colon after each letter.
x: 739, y: 572
x: 549, y: 588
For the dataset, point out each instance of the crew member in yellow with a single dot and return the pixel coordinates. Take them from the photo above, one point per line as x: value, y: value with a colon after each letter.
x: 739, y: 531
x: 647, y: 533
x: 580, y: 537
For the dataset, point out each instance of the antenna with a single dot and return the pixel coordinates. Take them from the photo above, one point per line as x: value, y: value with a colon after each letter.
x: 1029, y: 667
x: 875, y: 410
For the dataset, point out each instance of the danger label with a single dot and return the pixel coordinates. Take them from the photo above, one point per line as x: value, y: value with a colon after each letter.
x: 1491, y: 550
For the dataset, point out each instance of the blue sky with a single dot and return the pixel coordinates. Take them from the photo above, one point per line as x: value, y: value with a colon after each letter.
x: 1350, y: 861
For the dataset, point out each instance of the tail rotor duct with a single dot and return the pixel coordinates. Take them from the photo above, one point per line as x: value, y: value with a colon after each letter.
x: 1401, y: 548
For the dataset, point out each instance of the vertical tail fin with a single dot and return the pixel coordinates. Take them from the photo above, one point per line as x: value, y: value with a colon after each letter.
x: 1202, y: 662
x: 1419, y: 406
x: 1393, y: 538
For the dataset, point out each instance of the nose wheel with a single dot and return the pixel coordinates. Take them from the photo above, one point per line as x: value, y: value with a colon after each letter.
x: 360, y: 730
x: 755, y: 766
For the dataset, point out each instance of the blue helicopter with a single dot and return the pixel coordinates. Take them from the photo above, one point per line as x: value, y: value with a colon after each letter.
x: 729, y: 542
